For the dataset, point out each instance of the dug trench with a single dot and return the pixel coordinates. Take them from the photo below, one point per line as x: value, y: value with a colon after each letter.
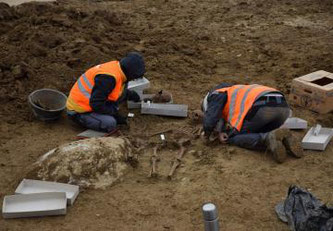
x: 189, y: 46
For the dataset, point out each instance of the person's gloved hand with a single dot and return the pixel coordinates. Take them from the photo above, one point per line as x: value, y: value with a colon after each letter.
x: 133, y: 96
x: 120, y: 119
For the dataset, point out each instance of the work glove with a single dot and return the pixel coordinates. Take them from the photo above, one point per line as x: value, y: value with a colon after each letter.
x: 133, y: 96
x: 120, y: 119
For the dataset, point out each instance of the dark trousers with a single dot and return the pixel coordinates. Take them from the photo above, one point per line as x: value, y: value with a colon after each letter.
x: 255, y: 129
x: 97, y: 121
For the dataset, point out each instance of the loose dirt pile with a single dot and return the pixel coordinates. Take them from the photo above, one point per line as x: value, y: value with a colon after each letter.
x: 48, y: 45
x: 95, y: 163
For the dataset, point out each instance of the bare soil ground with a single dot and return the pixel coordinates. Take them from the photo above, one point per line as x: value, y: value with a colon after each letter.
x: 189, y: 46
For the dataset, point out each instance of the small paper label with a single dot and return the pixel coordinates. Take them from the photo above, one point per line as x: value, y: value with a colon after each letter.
x: 130, y: 115
x: 162, y: 137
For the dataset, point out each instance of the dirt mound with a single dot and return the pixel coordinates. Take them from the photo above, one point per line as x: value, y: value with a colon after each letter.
x: 48, y: 45
x: 95, y: 163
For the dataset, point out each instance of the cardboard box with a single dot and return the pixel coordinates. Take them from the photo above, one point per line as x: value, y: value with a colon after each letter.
x: 313, y: 91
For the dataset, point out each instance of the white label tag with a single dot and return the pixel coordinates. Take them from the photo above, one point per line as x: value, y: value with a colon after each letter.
x: 130, y: 115
x: 162, y: 137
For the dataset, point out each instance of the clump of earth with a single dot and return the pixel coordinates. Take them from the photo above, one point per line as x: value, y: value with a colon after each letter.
x: 95, y: 163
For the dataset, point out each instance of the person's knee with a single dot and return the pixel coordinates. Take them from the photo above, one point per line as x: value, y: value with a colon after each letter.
x: 108, y: 124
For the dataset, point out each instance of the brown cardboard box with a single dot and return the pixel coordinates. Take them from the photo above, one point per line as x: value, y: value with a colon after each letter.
x: 313, y: 91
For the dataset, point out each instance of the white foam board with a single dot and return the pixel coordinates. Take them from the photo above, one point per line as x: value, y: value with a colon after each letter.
x: 295, y: 123
x: 177, y: 110
x: 34, y: 205
x: 91, y: 133
x: 138, y: 84
x: 28, y: 186
x: 18, y: 2
x: 317, y: 138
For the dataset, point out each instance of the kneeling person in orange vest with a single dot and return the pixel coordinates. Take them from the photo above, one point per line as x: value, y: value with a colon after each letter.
x: 249, y: 116
x: 94, y: 99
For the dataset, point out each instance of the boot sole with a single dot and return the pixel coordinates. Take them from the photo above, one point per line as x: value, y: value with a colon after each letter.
x: 292, y: 147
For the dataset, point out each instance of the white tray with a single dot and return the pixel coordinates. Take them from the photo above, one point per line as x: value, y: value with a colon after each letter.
x: 34, y: 205
x: 37, y: 186
x: 317, y: 138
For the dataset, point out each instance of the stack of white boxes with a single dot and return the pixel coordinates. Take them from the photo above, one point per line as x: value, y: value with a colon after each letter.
x: 35, y: 198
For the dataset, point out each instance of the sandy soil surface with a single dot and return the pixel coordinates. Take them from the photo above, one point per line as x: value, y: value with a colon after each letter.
x: 189, y: 46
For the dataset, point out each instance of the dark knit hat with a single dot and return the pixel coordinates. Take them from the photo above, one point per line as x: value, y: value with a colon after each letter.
x: 133, y: 66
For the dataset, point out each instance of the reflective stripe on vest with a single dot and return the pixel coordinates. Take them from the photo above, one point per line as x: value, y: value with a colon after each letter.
x: 240, y: 100
x: 83, y: 78
x: 79, y: 97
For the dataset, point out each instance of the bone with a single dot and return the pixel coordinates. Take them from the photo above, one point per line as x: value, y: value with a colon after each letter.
x: 182, y: 143
x: 154, y: 159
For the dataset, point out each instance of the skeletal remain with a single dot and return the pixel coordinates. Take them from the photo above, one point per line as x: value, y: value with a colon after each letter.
x: 182, y: 143
x: 155, y: 158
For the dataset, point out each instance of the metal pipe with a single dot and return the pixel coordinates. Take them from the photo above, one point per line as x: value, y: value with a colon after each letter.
x: 211, y: 217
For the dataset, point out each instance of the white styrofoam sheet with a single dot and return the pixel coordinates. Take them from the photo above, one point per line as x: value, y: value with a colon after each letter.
x: 28, y: 186
x: 34, y: 205
x: 177, y: 110
x: 138, y: 84
x: 317, y: 142
x: 18, y: 2
x: 295, y: 123
x: 89, y: 133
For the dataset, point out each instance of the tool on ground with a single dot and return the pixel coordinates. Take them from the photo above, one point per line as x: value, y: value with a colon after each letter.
x: 182, y: 143
x: 211, y: 217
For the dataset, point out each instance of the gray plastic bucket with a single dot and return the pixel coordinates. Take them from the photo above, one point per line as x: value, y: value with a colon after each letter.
x: 47, y: 104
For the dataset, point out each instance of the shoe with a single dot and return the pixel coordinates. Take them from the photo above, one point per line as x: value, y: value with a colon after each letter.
x: 293, y: 147
x: 275, y: 147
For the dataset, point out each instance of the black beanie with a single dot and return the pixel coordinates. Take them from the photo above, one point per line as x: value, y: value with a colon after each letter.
x: 133, y: 66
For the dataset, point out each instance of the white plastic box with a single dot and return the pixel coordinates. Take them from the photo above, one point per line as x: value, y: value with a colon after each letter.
x: 176, y: 110
x: 317, y: 138
x: 34, y: 205
x: 37, y: 186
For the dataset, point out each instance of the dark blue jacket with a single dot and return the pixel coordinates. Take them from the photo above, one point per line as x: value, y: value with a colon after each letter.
x: 216, y: 101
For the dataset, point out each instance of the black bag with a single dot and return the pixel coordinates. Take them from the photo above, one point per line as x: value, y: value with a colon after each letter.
x: 303, y: 212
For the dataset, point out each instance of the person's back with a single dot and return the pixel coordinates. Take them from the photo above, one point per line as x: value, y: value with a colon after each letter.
x: 94, y: 99
x: 245, y: 115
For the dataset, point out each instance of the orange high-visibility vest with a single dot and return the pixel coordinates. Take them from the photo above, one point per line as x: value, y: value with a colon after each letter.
x: 79, y: 96
x: 240, y: 101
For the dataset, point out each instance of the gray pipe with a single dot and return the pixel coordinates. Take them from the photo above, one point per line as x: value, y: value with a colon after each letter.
x: 211, y: 217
